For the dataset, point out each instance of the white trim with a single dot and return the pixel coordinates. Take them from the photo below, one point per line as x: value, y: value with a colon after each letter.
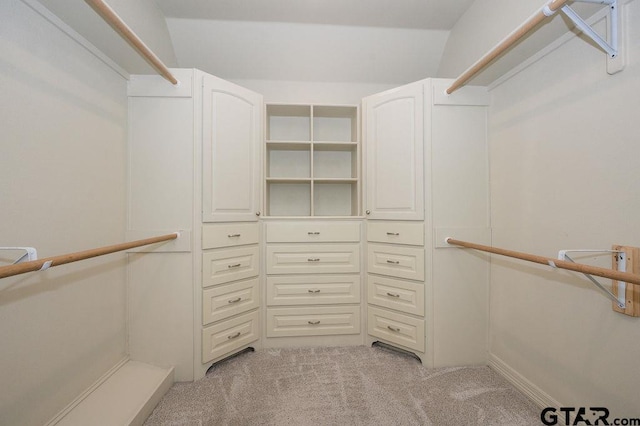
x: 75, y: 36
x: 537, y: 395
x: 598, y: 16
x: 73, y: 404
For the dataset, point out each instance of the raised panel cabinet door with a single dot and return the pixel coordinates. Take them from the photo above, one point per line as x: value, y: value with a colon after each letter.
x: 394, y: 150
x: 231, y: 133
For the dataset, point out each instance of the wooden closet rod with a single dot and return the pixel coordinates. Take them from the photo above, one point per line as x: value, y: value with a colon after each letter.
x: 42, y: 264
x: 562, y: 264
x: 505, y: 44
x: 112, y: 18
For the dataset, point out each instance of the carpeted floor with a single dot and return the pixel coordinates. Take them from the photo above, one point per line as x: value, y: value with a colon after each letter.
x: 342, y: 386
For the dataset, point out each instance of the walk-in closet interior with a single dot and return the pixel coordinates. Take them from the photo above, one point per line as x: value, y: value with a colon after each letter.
x: 184, y: 180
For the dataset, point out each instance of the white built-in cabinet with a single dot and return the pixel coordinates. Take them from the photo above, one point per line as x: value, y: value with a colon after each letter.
x: 279, y: 244
x: 312, y: 160
x: 426, y: 178
x: 313, y: 282
x: 312, y: 171
x: 231, y: 177
x: 195, y: 166
x: 230, y: 288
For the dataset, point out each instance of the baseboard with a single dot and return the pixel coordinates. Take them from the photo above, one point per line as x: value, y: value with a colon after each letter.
x: 125, y: 395
x: 524, y: 385
x: 66, y: 410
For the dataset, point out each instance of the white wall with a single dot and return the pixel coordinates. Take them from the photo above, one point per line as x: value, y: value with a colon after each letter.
x: 302, y: 52
x: 277, y: 91
x: 564, y: 174
x: 63, y: 116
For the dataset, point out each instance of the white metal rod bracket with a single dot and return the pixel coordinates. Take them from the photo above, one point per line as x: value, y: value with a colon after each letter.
x: 620, y: 301
x: 30, y: 253
x: 621, y: 257
x: 612, y: 47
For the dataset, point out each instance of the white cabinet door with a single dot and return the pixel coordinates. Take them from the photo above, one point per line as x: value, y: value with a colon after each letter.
x: 394, y: 145
x: 231, y: 132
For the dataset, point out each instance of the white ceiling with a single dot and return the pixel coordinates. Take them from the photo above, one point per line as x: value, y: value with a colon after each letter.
x: 369, y: 41
x: 358, y: 41
x: 419, y: 14
x: 366, y: 41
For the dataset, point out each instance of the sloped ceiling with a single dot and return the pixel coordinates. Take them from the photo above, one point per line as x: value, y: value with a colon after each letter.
x: 143, y: 16
x: 387, y: 41
x: 366, y: 41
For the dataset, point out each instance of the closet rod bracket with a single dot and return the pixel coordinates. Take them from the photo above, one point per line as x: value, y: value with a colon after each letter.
x: 626, y: 259
x: 612, y: 43
x: 625, y: 295
x: 30, y: 253
x: 618, y: 300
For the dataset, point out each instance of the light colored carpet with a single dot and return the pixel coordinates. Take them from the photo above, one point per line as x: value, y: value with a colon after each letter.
x: 342, y: 386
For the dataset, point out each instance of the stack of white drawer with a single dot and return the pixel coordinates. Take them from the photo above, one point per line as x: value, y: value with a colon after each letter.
x: 313, y: 281
x: 231, y: 290
x: 395, y: 283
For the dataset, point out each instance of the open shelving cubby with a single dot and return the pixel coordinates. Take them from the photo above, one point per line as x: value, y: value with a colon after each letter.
x: 312, y: 160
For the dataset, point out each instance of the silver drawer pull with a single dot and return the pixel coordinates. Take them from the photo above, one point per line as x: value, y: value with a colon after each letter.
x: 233, y: 235
x: 236, y: 300
x: 393, y: 262
x: 316, y: 322
x: 315, y: 290
x: 313, y: 259
x: 313, y: 233
x: 237, y: 265
x: 396, y: 329
x: 395, y: 234
x: 392, y: 294
x: 233, y: 336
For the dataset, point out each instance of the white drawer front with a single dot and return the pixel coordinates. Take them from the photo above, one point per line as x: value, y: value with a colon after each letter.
x: 313, y: 258
x: 313, y: 232
x: 395, y: 261
x: 223, y: 266
x: 223, y: 338
x: 229, y: 235
x: 313, y: 290
x: 223, y: 301
x: 411, y: 233
x: 396, y: 328
x: 313, y: 321
x: 405, y: 296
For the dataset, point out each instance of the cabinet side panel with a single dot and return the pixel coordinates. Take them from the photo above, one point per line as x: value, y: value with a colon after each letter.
x: 160, y: 191
x: 161, y: 311
x: 460, y: 171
